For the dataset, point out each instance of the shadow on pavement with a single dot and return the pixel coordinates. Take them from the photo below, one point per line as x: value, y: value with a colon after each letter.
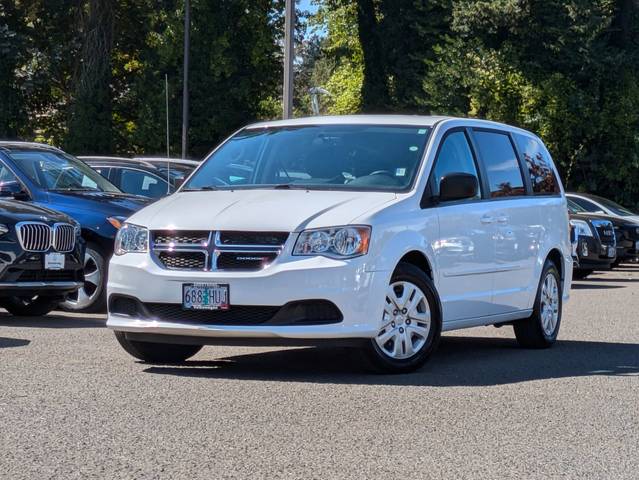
x: 51, y: 321
x: 13, y: 342
x: 593, y: 286
x: 460, y: 361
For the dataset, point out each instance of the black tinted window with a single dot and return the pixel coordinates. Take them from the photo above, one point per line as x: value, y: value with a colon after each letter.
x: 542, y: 176
x: 454, y: 156
x: 141, y: 183
x: 502, y: 167
x: 586, y: 205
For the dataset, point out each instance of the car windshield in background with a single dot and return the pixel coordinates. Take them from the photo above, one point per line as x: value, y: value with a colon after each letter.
x: 614, y: 207
x: 349, y: 157
x: 58, y: 172
x: 574, y: 207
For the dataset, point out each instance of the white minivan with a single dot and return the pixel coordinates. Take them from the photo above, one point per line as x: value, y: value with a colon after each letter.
x: 379, y: 232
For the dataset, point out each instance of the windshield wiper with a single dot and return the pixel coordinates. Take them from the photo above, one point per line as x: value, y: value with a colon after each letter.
x: 75, y: 189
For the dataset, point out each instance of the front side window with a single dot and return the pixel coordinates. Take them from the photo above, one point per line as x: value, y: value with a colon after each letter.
x: 586, y: 205
x: 141, y: 183
x: 542, y: 175
x: 58, y: 172
x: 333, y: 157
x: 502, y: 166
x: 8, y: 181
x: 455, y: 156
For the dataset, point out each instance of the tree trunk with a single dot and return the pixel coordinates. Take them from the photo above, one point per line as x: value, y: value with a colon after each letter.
x: 375, y: 95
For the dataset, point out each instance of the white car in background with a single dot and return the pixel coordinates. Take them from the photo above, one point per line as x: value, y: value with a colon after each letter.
x: 596, y: 204
x: 374, y: 231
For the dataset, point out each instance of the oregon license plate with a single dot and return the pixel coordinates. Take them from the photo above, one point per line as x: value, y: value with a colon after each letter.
x: 205, y: 296
x: 54, y: 261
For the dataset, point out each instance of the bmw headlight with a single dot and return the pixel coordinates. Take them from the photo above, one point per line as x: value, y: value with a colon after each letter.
x: 3, y: 229
x: 582, y: 228
x: 335, y: 242
x: 131, y: 239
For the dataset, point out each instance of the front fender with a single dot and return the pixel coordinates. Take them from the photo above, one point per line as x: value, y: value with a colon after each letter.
x: 393, y: 244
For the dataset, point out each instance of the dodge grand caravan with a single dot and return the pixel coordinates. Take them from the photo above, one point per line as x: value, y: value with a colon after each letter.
x: 375, y: 231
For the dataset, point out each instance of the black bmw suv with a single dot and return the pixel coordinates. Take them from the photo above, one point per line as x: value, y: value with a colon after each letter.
x: 41, y: 258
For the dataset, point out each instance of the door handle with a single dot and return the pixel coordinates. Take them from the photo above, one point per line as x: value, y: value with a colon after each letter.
x: 486, y: 219
x: 503, y: 219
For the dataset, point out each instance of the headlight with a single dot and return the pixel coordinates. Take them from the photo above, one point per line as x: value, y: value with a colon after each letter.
x: 582, y: 228
x: 77, y: 229
x: 3, y: 229
x: 131, y: 239
x: 336, y: 242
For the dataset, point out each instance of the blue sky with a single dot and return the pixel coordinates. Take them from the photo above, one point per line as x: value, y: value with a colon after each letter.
x: 306, y: 5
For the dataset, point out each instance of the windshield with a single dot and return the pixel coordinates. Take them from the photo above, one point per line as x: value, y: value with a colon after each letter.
x: 614, y: 207
x: 348, y: 157
x: 58, y: 172
x: 574, y: 208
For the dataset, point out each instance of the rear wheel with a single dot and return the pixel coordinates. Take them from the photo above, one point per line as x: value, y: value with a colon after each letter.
x: 411, y: 324
x: 541, y: 328
x: 157, y: 352
x: 91, y: 297
x: 30, y: 306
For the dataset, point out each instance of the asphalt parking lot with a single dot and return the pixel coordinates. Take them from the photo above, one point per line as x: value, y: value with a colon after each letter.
x: 74, y: 405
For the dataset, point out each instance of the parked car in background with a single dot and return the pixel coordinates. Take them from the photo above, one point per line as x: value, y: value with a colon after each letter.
x: 596, y: 241
x: 133, y: 176
x: 178, y: 168
x: 626, y: 232
x: 41, y: 258
x: 596, y: 204
x: 375, y: 231
x: 46, y: 176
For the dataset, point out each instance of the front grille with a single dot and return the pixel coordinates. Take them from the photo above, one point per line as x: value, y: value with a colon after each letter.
x: 183, y: 260
x: 34, y: 237
x: 237, y: 315
x: 48, y: 276
x: 63, y: 237
x: 40, y: 237
x: 244, y: 260
x: 180, y: 237
x: 606, y: 232
x: 303, y: 312
x: 252, y: 238
x: 220, y: 250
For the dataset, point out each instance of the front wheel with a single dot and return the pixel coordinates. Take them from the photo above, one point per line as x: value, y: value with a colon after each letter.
x: 411, y: 323
x: 30, y: 306
x: 91, y: 297
x: 157, y: 352
x: 541, y: 328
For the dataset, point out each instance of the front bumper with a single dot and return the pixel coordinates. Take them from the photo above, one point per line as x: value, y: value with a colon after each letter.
x: 358, y: 294
x: 23, y: 274
x: 592, y: 254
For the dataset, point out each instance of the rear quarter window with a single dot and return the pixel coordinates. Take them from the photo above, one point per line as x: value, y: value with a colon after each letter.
x: 542, y: 176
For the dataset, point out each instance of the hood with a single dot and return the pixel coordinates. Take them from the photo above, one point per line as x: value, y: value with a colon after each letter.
x: 107, y: 203
x: 13, y: 211
x: 259, y: 210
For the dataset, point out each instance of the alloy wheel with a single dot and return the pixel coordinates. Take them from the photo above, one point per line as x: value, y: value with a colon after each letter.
x: 406, y: 321
x: 549, y: 307
x: 93, y: 279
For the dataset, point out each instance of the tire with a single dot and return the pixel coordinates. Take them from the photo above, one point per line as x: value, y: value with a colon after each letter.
x: 419, y: 323
x: 30, y: 307
x: 91, y: 297
x: 581, y: 274
x: 157, y: 352
x: 541, y: 328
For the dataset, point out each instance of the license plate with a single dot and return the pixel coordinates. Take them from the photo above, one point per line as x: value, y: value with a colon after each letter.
x: 54, y: 261
x: 205, y: 296
x: 611, y: 251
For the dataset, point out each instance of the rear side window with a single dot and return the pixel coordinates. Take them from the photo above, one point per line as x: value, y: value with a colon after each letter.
x: 542, y: 176
x: 502, y: 166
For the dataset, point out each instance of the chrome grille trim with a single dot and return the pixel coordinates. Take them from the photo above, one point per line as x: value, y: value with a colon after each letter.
x: 212, y: 249
x: 40, y: 237
x: 63, y: 237
x: 34, y: 236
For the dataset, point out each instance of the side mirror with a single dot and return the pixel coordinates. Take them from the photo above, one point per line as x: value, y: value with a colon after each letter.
x: 457, y: 186
x: 14, y: 190
x: 178, y: 182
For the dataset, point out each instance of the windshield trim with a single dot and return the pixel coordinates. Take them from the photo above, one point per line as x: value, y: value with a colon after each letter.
x: 406, y: 189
